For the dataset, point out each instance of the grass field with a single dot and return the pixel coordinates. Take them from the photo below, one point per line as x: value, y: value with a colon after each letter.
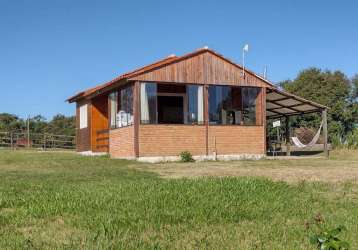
x: 62, y: 200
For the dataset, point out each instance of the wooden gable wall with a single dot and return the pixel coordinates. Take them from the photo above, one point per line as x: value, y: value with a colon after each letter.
x: 204, y: 68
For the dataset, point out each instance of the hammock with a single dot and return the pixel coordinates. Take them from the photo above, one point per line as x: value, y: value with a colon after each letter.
x: 299, y: 144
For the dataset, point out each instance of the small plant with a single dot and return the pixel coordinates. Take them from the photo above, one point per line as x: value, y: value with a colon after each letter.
x: 324, y: 238
x: 186, y: 156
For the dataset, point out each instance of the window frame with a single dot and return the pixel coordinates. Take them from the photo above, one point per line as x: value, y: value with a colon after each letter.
x: 118, y: 93
x: 185, y: 103
x: 83, y: 116
x: 260, y: 89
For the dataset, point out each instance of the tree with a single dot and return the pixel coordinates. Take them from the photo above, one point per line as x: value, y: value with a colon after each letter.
x: 62, y: 125
x: 9, y: 122
x: 355, y: 86
x: 59, y: 125
x: 38, y: 124
x: 332, y: 89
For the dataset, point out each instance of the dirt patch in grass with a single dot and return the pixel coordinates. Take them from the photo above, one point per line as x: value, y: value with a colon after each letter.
x: 294, y: 170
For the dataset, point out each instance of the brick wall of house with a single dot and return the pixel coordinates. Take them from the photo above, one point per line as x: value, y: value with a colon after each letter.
x: 236, y: 139
x: 121, y: 142
x: 170, y: 140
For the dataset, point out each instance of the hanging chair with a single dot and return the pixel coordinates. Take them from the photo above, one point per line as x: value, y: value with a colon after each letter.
x: 314, y: 140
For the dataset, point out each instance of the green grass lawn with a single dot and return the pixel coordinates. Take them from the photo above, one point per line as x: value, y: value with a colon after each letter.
x: 62, y: 200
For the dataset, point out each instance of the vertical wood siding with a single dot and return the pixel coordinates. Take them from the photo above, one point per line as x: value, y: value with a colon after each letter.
x: 202, y: 68
x: 99, y: 121
x: 83, y: 136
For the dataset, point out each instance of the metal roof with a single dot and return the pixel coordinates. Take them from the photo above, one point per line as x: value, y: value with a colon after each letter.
x: 280, y: 103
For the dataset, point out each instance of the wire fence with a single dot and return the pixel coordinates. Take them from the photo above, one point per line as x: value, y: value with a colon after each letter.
x: 18, y: 140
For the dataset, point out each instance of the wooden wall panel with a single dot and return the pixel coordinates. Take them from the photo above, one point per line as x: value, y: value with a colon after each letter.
x: 189, y: 70
x: 220, y: 71
x: 205, y: 68
x: 83, y: 136
x: 99, y: 121
x: 171, y: 140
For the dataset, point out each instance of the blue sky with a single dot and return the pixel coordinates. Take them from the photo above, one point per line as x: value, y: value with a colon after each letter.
x: 49, y: 50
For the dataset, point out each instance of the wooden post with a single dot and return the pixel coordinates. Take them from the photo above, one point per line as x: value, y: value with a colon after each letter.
x: 287, y: 133
x: 44, y: 141
x: 325, y: 132
x: 264, y: 121
x: 11, y: 141
x: 28, y: 131
x: 206, y: 117
x: 136, y: 115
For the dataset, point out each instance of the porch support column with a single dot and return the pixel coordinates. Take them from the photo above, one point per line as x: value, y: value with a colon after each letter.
x: 136, y: 118
x: 325, y: 133
x: 287, y: 134
x: 206, y: 117
x: 264, y: 119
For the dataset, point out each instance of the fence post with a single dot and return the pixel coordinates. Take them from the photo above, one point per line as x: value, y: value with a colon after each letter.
x: 44, y: 142
x: 28, y: 132
x: 11, y: 141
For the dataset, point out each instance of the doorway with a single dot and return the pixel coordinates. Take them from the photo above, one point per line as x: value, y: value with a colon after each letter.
x: 170, y: 109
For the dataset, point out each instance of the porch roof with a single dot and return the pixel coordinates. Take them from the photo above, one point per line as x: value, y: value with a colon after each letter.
x: 280, y: 103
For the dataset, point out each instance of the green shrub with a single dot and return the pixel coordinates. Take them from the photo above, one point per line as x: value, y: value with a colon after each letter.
x: 325, y: 238
x: 350, y: 141
x: 337, y: 142
x: 186, y: 156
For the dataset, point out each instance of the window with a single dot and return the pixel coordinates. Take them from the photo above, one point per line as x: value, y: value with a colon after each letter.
x: 249, y: 105
x: 171, y: 104
x: 195, y: 104
x: 148, y: 103
x: 121, y: 107
x: 83, y: 116
x: 126, y: 107
x: 113, y: 101
x: 232, y: 105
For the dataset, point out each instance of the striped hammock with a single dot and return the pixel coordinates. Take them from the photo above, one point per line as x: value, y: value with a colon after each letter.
x: 314, y: 140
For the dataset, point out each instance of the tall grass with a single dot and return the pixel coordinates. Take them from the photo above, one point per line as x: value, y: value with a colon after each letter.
x: 350, y: 141
x: 54, y: 200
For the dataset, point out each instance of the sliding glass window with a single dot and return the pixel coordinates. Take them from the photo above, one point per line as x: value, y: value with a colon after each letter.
x: 171, y: 104
x: 121, y: 107
x: 232, y: 105
x: 250, y: 105
x: 148, y: 103
x: 195, y: 114
x: 113, y: 102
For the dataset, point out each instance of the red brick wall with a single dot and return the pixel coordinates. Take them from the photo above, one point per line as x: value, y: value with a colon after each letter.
x: 121, y: 142
x: 237, y: 139
x: 170, y: 140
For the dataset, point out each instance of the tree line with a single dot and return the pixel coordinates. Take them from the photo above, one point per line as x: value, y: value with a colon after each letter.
x: 334, y: 90
x: 58, y: 125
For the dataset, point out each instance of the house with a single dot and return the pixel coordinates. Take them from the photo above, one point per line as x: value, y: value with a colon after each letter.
x: 200, y: 102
